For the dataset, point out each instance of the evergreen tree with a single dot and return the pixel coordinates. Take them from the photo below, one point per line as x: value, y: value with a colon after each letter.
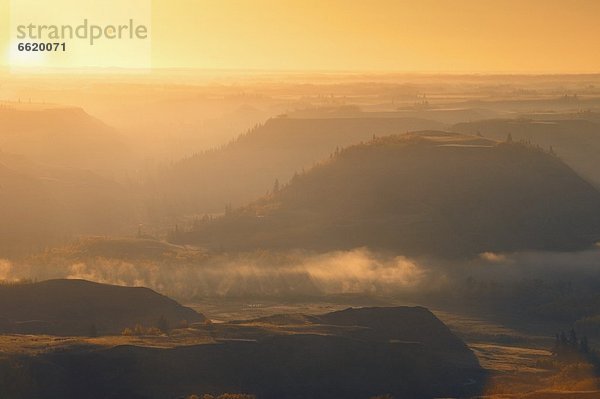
x: 564, y: 342
x: 573, y: 339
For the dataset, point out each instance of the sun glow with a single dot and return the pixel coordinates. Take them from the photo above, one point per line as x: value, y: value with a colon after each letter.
x: 20, y: 59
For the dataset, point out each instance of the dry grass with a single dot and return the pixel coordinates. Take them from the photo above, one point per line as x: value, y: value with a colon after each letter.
x: 518, y: 369
x: 518, y: 372
x: 510, y: 359
x: 36, y: 344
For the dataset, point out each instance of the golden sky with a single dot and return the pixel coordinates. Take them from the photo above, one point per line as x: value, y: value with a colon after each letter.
x: 556, y: 36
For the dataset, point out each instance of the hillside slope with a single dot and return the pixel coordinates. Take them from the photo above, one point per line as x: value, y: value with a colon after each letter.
x: 427, y: 193
x: 71, y: 307
x: 64, y: 136
x: 28, y: 212
x: 249, y: 166
x: 43, y: 204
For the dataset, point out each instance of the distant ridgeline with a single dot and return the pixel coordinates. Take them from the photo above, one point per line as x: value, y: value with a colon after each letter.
x: 424, y: 193
x: 56, y: 168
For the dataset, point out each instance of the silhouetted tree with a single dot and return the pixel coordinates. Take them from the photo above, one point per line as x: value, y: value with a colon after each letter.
x: 557, y: 344
x: 570, y: 345
x: 564, y: 342
x: 295, y: 177
x: 509, y: 138
x: 573, y: 339
x: 276, y: 186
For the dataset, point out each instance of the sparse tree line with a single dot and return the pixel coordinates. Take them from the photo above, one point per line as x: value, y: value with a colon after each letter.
x: 18, y: 282
x: 222, y: 147
x: 161, y: 328
x: 570, y: 344
x: 527, y: 144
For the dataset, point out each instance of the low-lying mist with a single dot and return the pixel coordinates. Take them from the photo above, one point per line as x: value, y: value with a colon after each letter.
x: 248, y: 274
x: 300, y: 274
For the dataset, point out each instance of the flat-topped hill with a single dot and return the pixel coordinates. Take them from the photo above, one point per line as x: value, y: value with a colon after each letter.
x: 281, y: 365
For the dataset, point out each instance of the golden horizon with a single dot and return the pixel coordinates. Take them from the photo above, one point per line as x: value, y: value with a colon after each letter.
x: 384, y: 36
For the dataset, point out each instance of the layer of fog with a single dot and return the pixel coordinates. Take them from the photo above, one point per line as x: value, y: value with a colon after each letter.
x: 359, y: 271
x: 290, y: 274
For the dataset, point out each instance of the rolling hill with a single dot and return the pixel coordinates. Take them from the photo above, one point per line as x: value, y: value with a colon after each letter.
x: 425, y: 193
x: 248, y: 167
x: 71, y: 307
x: 44, y: 204
x: 28, y: 212
x: 63, y: 136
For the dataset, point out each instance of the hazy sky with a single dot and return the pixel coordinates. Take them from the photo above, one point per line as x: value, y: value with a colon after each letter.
x: 375, y: 35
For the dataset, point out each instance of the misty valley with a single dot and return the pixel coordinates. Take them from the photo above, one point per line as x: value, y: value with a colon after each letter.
x: 270, y: 236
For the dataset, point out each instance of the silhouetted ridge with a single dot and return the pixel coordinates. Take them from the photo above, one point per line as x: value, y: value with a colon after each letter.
x: 421, y: 193
x: 247, y: 167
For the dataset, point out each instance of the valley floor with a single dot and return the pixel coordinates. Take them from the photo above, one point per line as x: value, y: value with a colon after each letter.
x: 519, y: 364
x: 516, y: 355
